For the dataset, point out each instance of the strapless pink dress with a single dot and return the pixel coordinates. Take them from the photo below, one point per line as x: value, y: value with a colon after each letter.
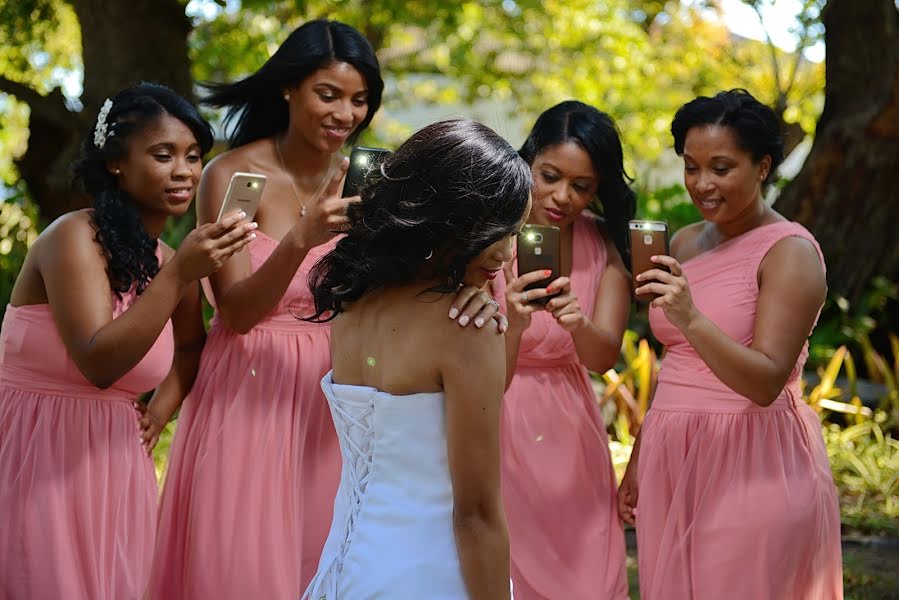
x: 77, y: 490
x: 255, y: 463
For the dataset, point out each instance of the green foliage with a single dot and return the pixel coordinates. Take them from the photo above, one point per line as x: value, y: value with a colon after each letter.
x: 844, y: 324
x: 18, y: 230
x: 671, y: 204
x: 865, y: 464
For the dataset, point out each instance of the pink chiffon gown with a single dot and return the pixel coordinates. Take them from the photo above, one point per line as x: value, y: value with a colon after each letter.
x: 77, y: 490
x: 735, y: 500
x: 559, y: 487
x: 255, y: 463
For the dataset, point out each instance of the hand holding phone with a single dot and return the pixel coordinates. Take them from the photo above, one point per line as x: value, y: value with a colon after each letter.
x: 647, y: 239
x: 244, y: 193
x: 362, y: 162
x: 539, y: 249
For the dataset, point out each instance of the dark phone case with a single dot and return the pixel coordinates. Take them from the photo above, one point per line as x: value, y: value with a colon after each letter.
x: 549, y: 256
x: 357, y: 171
x: 641, y: 253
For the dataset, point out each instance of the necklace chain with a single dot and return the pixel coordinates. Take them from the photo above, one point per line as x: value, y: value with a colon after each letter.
x: 287, y: 174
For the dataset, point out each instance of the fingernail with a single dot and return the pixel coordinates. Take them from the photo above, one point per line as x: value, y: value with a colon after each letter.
x: 653, y: 257
x: 549, y: 290
x: 454, y: 312
x: 547, y: 273
x: 242, y: 214
x: 503, y: 327
x: 253, y: 225
x: 463, y: 320
x: 479, y: 322
x: 252, y: 236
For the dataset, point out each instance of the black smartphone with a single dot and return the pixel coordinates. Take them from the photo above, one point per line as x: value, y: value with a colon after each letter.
x: 539, y: 249
x: 362, y: 161
x: 647, y: 239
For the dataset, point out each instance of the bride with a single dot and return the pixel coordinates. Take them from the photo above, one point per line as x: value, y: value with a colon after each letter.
x: 415, y: 397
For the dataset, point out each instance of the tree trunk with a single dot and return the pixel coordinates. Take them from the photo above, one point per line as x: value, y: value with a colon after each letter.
x: 847, y: 193
x: 122, y: 43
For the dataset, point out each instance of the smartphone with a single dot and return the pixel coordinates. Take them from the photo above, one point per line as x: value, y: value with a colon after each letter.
x: 244, y: 193
x: 539, y: 249
x: 362, y: 161
x: 647, y: 239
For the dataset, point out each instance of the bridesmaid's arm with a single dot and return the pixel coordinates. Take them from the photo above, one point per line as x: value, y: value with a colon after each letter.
x: 792, y: 289
x: 473, y: 378
x: 73, y: 271
x: 598, y: 342
x: 190, y: 336
x: 243, y: 297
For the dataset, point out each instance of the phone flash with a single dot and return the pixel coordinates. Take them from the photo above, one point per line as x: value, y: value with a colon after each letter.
x: 647, y: 226
x: 531, y: 237
x: 363, y: 160
x: 254, y: 184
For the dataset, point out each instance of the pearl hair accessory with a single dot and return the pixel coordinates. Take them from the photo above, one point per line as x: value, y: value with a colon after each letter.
x: 101, y: 131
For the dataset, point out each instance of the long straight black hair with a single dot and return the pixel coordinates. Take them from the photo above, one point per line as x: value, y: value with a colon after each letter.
x: 256, y: 105
x: 595, y: 132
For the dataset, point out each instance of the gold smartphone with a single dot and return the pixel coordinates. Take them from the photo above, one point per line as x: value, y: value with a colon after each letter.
x: 244, y: 193
x: 647, y: 239
x: 539, y: 249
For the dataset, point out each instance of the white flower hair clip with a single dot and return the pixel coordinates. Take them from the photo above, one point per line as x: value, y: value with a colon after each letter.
x: 100, y: 134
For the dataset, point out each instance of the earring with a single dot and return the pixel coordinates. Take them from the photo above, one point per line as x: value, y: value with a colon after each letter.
x: 430, y: 254
x: 286, y: 97
x: 117, y: 171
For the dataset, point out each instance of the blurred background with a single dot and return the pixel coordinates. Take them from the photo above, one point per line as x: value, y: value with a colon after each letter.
x: 830, y: 70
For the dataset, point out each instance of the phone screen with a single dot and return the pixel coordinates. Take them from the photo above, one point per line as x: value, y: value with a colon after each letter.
x: 362, y: 162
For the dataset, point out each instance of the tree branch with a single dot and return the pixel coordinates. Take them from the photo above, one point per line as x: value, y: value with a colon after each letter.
x: 51, y: 107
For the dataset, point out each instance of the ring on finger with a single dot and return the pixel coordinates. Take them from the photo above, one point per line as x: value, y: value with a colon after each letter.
x: 493, y: 303
x: 524, y: 297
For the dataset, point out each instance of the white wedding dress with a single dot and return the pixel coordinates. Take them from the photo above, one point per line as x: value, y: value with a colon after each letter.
x: 392, y: 532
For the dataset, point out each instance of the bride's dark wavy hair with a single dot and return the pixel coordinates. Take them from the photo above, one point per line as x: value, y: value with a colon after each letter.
x: 129, y: 250
x: 447, y: 194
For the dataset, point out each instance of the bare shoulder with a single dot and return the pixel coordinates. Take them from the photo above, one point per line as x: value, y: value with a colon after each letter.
x: 71, y: 231
x: 684, y: 242
x: 796, y: 256
x: 472, y: 348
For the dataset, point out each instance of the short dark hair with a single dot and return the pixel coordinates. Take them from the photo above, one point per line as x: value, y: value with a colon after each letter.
x: 754, y: 124
x: 595, y: 132
x: 447, y: 194
x: 130, y: 252
x: 255, y: 103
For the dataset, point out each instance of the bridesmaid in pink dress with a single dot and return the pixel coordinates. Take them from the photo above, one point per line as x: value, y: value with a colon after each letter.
x: 730, y: 484
x: 558, y: 482
x: 101, y: 313
x: 255, y: 464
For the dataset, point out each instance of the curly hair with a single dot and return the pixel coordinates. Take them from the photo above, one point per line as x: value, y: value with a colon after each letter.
x: 255, y: 104
x: 129, y: 251
x: 595, y: 132
x: 754, y: 124
x: 447, y: 194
